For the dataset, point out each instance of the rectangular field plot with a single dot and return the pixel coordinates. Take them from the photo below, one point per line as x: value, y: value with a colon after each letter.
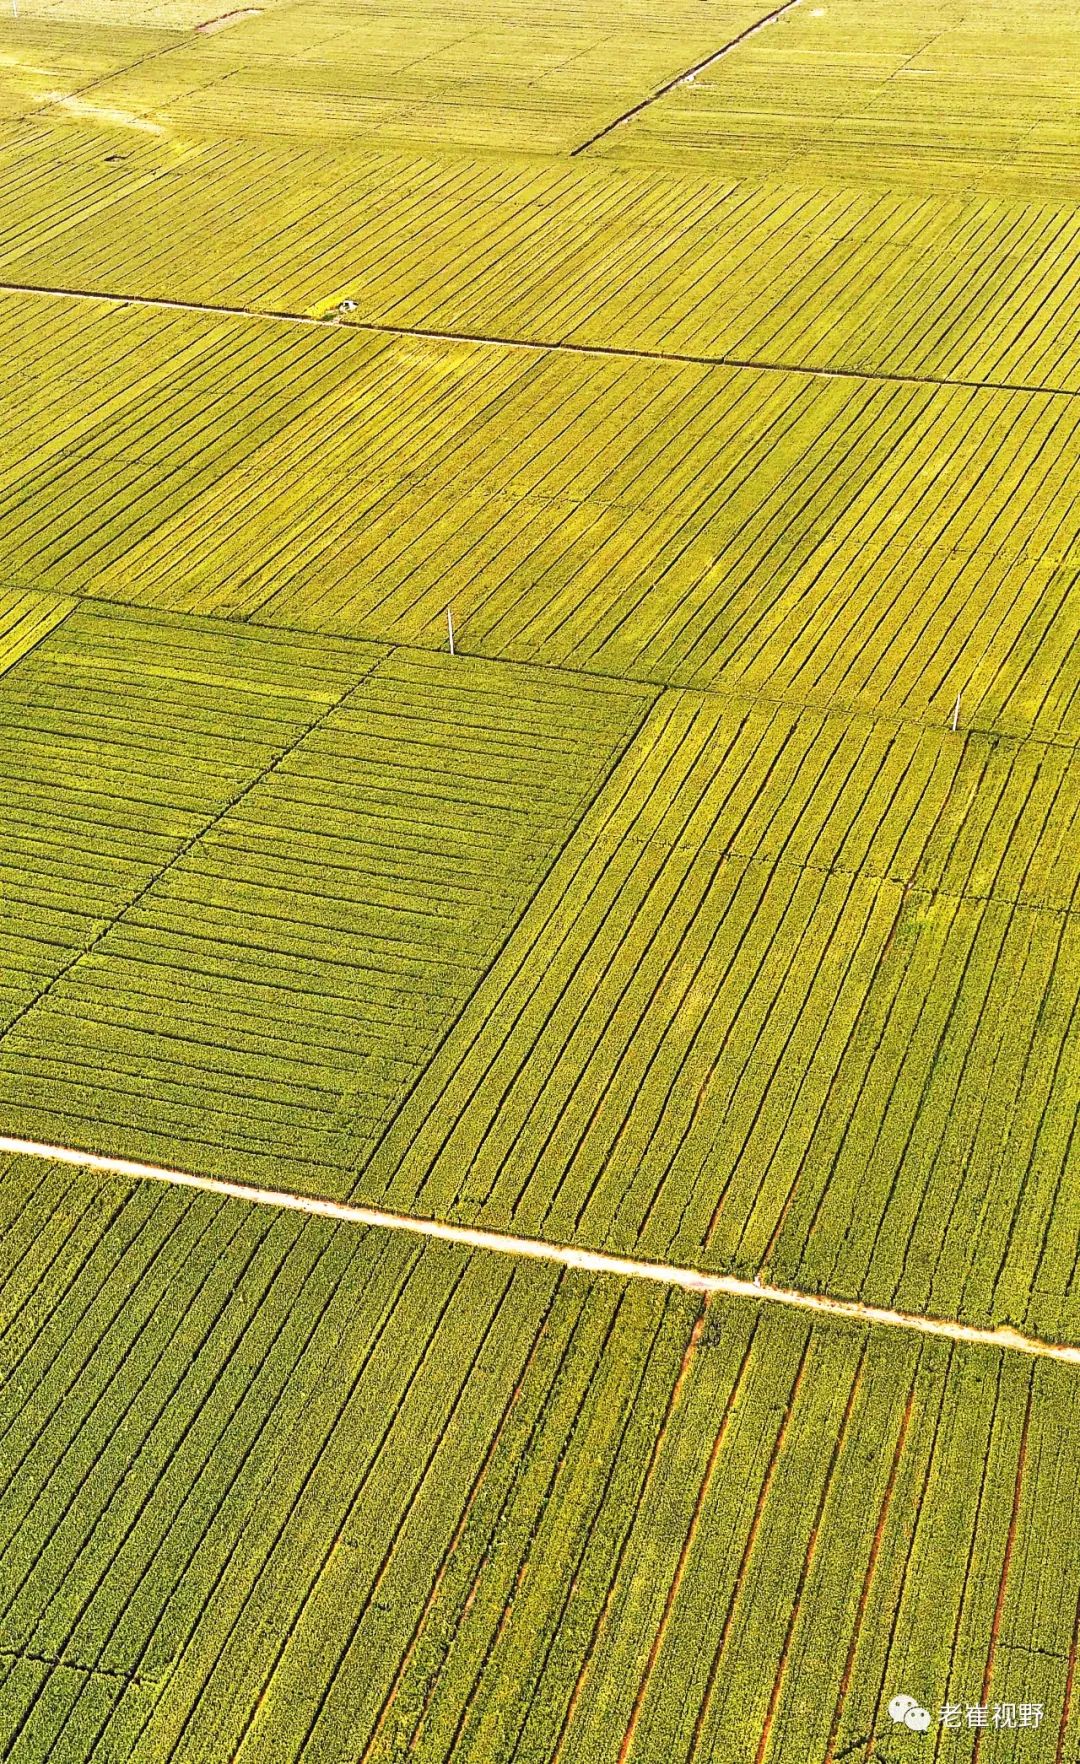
x: 930, y: 97
x: 466, y: 75
x: 264, y: 1002
x: 959, y: 286
x: 48, y: 62
x: 802, y: 995
x: 117, y: 418
x: 834, y: 541
x: 121, y: 740
x: 284, y: 1492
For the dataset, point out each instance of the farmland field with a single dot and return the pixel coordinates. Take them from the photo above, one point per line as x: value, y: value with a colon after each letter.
x: 540, y: 882
x: 636, y: 1527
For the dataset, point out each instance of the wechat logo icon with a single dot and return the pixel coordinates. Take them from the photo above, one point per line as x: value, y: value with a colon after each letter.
x: 906, y: 1712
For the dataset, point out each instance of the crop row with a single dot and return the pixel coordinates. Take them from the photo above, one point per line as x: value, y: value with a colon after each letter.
x: 299, y: 508
x: 97, y: 460
x: 25, y: 618
x: 798, y: 994
x: 470, y: 75
x: 287, y: 915
x: 837, y: 541
x: 342, y: 1496
x: 121, y: 739
x: 935, y: 98
x: 822, y: 274
x: 744, y: 1016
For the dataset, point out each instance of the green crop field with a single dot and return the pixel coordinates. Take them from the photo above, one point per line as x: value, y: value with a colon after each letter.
x: 344, y: 1497
x: 540, y: 882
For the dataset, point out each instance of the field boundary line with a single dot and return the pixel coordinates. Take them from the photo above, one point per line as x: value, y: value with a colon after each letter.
x: 161, y: 302
x: 565, y: 1255
x: 75, y: 1666
x: 687, y: 74
x: 249, y: 784
x: 58, y: 100
x: 731, y: 692
x: 551, y: 345
x: 677, y: 357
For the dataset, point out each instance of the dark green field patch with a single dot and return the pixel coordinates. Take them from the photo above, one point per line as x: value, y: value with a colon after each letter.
x: 266, y: 1001
x: 121, y: 739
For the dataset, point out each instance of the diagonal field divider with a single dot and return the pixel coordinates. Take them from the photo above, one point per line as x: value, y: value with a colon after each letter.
x: 687, y: 73
x: 563, y: 1254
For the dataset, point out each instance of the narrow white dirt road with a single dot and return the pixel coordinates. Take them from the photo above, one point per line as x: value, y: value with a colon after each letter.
x: 566, y: 1255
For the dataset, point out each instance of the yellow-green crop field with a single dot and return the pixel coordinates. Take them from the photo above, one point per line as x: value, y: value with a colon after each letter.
x: 539, y: 882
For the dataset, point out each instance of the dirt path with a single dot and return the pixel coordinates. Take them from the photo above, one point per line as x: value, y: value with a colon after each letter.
x: 565, y: 1255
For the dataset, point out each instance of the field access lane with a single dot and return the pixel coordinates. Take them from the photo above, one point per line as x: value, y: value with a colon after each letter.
x: 346, y: 1494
